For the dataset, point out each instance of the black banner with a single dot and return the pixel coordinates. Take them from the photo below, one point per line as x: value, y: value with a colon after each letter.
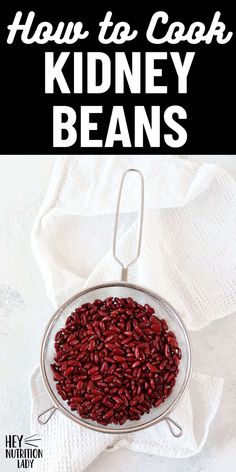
x: 157, y: 79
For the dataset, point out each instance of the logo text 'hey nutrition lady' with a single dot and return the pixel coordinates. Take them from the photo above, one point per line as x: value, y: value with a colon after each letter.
x: 128, y: 78
x: 24, y: 451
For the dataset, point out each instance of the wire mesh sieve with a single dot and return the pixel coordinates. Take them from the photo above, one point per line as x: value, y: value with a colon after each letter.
x: 142, y: 295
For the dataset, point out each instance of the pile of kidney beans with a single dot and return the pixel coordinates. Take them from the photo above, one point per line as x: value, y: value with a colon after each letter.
x: 115, y: 360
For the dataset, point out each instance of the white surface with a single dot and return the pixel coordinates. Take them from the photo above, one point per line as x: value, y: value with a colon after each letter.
x: 23, y: 305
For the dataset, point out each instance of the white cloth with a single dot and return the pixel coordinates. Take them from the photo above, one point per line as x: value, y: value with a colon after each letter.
x: 188, y: 250
x: 67, y: 447
x: 188, y: 256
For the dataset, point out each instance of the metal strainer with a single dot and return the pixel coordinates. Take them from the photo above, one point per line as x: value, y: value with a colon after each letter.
x: 141, y: 295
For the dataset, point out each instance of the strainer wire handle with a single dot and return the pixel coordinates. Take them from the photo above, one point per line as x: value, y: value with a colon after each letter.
x: 47, y: 414
x: 174, y: 427
x: 124, y: 273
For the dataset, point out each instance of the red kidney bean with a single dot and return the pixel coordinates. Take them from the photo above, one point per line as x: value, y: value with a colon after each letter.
x: 117, y: 381
x: 91, y: 345
x: 57, y: 376
x: 115, y: 360
x: 68, y: 371
x: 104, y: 367
x: 151, y: 367
x: 63, y: 394
x: 83, y: 347
x: 108, y: 415
x: 176, y: 359
x: 179, y: 354
x: 108, y: 379
x: 171, y: 377
x: 156, y: 327
x: 112, y: 368
x: 136, y: 352
x: 163, y: 364
x: 119, y: 351
x: 74, y: 363
x: 125, y: 341
x: 97, y: 391
x: 109, y: 359
x: 111, y: 347
x: 108, y: 403
x: 170, y: 333
x: 149, y: 309
x: 96, y: 377
x: 80, y: 385
x: 118, y: 399
x: 96, y: 358
x: 158, y: 402
x: 172, y: 341
x: 167, y: 350
x: 93, y: 370
x: 138, y: 330
x: 119, y: 358
x: 134, y: 417
x: 96, y: 399
x: 164, y: 325
x: 74, y: 342
x: 59, y: 354
x: 152, y: 384
x: 75, y: 399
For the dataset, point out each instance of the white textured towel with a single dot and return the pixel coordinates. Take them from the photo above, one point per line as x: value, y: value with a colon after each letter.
x: 68, y: 447
x: 188, y: 256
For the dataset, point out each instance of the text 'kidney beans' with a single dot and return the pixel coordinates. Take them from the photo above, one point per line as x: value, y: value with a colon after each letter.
x: 115, y: 360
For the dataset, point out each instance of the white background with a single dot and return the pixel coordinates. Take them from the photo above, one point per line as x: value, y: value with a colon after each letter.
x: 24, y: 311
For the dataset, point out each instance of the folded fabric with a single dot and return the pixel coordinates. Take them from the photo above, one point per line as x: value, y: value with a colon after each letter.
x: 188, y: 249
x: 69, y: 447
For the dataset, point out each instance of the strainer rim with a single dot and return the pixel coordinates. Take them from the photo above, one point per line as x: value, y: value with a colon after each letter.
x: 105, y: 429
